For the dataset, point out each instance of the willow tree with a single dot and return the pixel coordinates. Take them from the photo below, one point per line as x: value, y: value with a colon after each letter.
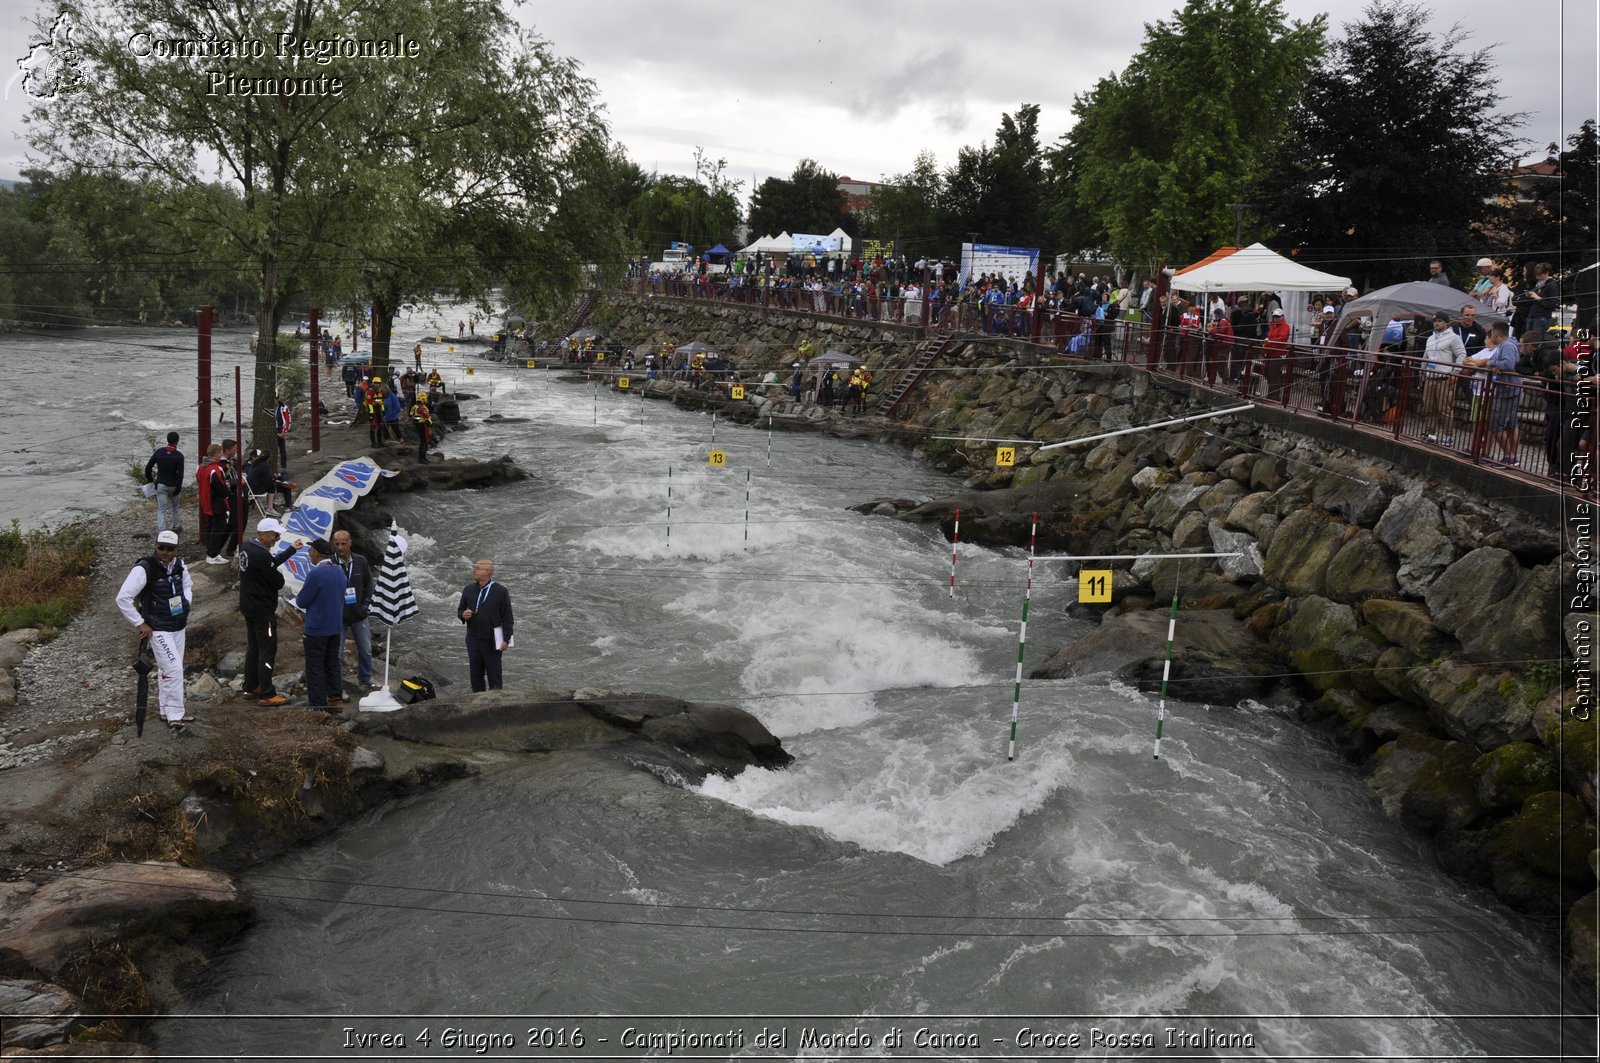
x: 479, y: 184
x: 314, y: 131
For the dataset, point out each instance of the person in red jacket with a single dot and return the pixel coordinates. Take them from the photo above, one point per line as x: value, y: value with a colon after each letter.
x: 216, y: 512
x: 1275, y: 357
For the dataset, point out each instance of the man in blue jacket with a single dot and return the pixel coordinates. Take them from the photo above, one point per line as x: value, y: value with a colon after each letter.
x: 392, y: 409
x: 322, y: 598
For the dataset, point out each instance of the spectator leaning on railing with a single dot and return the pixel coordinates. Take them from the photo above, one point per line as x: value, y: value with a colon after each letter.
x: 1502, y: 356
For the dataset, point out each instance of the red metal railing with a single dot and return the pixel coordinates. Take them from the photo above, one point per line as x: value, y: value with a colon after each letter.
x: 1519, y: 425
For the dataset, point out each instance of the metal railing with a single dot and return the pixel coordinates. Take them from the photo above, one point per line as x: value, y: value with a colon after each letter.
x: 1519, y: 425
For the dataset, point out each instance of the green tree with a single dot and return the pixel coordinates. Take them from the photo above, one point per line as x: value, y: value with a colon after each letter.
x: 809, y: 200
x: 909, y: 206
x: 1558, y: 221
x: 998, y: 191
x: 702, y: 210
x: 1161, y: 152
x: 1395, y: 149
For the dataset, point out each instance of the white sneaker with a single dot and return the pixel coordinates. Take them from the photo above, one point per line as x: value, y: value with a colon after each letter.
x: 216, y: 561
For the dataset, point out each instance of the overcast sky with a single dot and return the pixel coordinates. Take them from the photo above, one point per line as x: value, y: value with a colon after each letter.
x: 863, y: 87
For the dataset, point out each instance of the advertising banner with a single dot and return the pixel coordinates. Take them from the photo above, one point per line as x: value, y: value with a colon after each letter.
x: 1009, y: 262
x: 312, y: 517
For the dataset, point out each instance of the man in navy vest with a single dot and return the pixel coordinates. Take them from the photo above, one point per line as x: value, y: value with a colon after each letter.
x: 485, y: 608
x: 156, y: 599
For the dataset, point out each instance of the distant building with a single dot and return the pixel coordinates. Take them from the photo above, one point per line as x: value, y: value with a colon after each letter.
x: 1525, y: 178
x: 857, y: 193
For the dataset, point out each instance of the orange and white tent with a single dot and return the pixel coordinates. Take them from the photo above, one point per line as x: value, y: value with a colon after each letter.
x: 1256, y: 268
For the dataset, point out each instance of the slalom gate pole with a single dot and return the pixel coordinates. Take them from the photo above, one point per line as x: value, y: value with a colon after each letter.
x: 713, y: 427
x: 747, y: 509
x: 954, y: 542
x: 1022, y: 642
x: 1166, y: 667
x: 769, y: 439
x: 641, y: 410
x: 597, y: 403
x: 491, y: 398
x: 669, y: 503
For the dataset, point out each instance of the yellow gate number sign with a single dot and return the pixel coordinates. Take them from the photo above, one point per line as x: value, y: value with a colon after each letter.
x: 471, y: 371
x: 532, y: 364
x: 1094, y: 585
x: 718, y: 459
x: 600, y: 356
x: 736, y: 391
x: 1005, y: 457
x: 622, y: 383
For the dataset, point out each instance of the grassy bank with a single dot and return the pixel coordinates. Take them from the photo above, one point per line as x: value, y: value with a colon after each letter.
x: 44, y: 575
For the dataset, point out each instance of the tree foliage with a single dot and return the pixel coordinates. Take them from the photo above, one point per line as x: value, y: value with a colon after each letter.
x: 1394, y: 149
x: 1558, y: 221
x: 910, y: 206
x: 997, y: 191
x: 702, y: 210
x: 332, y: 188
x: 1161, y: 152
x: 809, y: 200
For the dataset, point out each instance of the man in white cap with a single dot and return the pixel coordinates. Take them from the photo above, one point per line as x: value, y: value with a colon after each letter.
x: 1483, y: 284
x: 156, y: 599
x: 259, y: 584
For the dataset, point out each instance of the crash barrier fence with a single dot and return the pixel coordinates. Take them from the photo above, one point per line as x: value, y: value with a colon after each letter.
x: 1514, y: 423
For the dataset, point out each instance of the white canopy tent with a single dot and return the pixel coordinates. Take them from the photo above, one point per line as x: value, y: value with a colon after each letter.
x: 783, y: 243
x: 845, y: 244
x: 1256, y: 268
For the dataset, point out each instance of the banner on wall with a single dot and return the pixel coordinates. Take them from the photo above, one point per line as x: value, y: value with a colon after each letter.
x: 312, y: 517
x: 807, y: 243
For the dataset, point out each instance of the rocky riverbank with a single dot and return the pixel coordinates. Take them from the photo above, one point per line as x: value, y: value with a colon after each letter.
x: 1426, y: 614
x: 118, y: 850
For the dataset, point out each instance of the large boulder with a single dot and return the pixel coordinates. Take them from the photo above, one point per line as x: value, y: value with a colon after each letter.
x: 37, y: 1013
x: 1474, y: 704
x: 1308, y: 630
x: 1469, y: 587
x: 1248, y: 565
x: 702, y: 738
x: 1556, y: 837
x: 1574, y: 742
x: 1303, y: 545
x: 1214, y: 659
x: 1247, y: 514
x: 1508, y: 776
x: 1409, y: 625
x: 1530, y: 615
x: 1443, y: 795
x: 1168, y: 503
x: 1362, y: 569
x: 1220, y: 498
x: 1357, y: 491
x: 1413, y: 528
x: 44, y: 928
x: 1583, y: 938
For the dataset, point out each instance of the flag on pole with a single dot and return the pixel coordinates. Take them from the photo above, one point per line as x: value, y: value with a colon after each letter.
x: 392, y: 605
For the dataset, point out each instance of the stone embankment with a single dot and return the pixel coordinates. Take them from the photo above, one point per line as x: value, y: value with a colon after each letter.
x: 118, y: 849
x: 1427, y: 614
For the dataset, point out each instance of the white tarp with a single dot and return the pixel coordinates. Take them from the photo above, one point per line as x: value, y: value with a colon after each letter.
x: 1256, y: 268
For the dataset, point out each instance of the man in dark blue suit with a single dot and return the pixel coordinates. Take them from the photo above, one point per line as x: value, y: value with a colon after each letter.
x: 485, y: 608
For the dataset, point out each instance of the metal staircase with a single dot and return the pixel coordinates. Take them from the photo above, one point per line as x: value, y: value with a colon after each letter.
x: 580, y: 313
x: 913, y: 374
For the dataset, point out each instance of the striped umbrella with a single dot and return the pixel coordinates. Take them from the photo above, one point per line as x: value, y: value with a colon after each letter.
x: 392, y: 605
x: 392, y: 601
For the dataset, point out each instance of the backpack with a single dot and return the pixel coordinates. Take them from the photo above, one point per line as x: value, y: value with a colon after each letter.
x: 415, y: 689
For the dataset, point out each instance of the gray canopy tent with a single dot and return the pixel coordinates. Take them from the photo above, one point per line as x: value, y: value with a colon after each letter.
x: 1411, y: 299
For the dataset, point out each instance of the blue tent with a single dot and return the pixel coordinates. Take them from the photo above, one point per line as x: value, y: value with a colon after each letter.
x: 718, y: 250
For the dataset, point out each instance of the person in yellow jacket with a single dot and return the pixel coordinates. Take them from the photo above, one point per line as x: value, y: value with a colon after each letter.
x: 424, y: 421
x: 372, y: 407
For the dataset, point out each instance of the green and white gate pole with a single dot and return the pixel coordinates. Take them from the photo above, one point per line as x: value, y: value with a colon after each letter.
x: 1022, y: 642
x: 747, y: 509
x: 669, y: 503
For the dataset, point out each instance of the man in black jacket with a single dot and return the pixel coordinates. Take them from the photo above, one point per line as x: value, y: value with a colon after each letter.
x: 165, y: 470
x: 485, y: 608
x: 357, y: 598
x: 259, y: 584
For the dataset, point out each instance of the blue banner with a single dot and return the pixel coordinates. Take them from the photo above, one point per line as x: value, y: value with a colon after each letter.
x: 312, y: 517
